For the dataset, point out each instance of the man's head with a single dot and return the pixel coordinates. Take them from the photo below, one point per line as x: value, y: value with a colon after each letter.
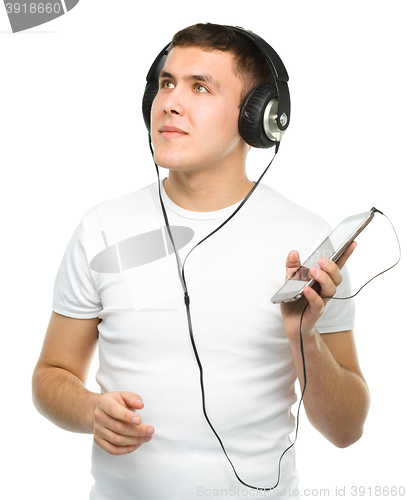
x: 249, y: 63
x: 206, y: 76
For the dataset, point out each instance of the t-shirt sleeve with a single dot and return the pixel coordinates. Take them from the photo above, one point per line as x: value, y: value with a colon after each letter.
x: 75, y: 294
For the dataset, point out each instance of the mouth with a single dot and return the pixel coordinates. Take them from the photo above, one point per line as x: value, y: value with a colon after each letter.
x: 170, y: 132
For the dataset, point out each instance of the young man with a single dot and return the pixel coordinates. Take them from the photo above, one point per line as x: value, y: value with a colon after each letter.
x: 118, y: 285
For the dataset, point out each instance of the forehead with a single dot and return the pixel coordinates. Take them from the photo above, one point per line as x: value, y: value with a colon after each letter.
x: 186, y: 62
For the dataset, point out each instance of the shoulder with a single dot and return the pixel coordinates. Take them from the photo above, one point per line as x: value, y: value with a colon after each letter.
x: 119, y: 218
x: 281, y: 225
x: 130, y: 208
x: 286, y: 212
x: 116, y: 206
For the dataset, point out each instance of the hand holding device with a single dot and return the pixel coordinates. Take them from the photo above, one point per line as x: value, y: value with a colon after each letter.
x: 327, y: 277
x: 331, y: 248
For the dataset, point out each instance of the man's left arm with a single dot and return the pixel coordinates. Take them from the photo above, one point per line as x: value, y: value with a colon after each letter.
x: 336, y: 398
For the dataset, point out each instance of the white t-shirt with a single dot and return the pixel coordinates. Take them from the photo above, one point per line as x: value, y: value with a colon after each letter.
x: 118, y: 266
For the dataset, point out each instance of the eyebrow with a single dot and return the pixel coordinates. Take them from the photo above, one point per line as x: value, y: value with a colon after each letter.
x: 198, y: 78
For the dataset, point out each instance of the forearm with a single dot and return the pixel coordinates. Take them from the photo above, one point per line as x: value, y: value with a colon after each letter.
x: 63, y: 399
x: 336, y: 400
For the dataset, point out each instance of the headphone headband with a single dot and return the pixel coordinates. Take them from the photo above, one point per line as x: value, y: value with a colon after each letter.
x: 157, y: 66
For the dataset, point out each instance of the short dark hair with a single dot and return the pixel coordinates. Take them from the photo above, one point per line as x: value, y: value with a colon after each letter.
x: 250, y: 64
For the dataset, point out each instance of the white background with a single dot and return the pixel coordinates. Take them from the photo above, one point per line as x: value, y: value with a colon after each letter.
x: 72, y: 136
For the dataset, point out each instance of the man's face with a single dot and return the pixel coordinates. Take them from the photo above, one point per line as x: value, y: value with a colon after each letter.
x: 194, y: 117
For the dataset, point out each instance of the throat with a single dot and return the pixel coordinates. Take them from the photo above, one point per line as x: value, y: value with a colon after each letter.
x: 210, y: 198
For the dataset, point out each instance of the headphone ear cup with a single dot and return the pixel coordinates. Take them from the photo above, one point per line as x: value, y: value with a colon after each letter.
x: 251, y: 116
x: 149, y: 94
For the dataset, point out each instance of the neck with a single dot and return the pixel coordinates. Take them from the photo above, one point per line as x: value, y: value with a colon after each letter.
x: 198, y: 192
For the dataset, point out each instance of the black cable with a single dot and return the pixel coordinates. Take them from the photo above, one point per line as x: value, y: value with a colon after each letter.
x: 379, y: 274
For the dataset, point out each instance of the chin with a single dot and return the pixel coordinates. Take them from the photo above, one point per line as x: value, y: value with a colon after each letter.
x: 165, y: 158
x: 168, y: 163
x: 170, y: 160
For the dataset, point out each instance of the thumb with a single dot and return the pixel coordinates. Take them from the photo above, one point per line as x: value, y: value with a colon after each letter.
x: 292, y: 263
x: 132, y: 400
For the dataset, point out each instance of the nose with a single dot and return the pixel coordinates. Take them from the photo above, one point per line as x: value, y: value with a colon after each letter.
x: 173, y: 102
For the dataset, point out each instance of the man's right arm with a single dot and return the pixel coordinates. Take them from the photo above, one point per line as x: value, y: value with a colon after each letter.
x: 59, y: 378
x: 60, y: 395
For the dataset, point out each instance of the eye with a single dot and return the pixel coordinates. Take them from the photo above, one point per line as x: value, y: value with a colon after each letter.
x: 167, y: 85
x: 200, y: 88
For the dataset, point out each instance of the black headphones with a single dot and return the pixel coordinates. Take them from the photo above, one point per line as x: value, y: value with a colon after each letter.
x: 265, y: 113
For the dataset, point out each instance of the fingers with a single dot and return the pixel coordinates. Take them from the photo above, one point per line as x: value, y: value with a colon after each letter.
x: 292, y: 263
x: 346, y: 254
x: 117, y: 429
x: 316, y: 303
x: 131, y: 400
x: 329, y: 275
x: 118, y: 404
x: 119, y: 438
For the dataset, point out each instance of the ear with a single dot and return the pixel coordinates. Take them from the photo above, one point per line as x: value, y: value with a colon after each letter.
x: 251, y: 116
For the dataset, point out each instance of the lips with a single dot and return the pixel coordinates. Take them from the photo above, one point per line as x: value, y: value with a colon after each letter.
x: 171, y: 132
